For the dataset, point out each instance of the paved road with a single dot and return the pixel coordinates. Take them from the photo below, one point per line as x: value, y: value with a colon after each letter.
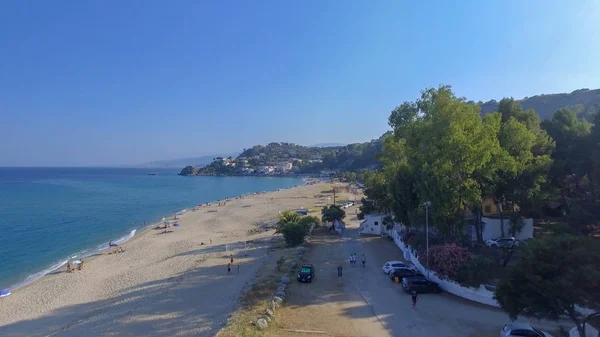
x: 368, y: 303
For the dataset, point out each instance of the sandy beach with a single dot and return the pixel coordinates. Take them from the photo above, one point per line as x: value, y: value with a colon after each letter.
x: 173, y: 284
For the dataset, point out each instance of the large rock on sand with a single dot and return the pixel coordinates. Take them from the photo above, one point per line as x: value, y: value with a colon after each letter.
x: 280, y: 293
x: 278, y: 300
x: 261, y: 323
x: 270, y: 313
x: 285, y: 280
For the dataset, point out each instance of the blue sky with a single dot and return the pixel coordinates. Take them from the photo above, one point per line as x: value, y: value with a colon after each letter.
x: 119, y: 82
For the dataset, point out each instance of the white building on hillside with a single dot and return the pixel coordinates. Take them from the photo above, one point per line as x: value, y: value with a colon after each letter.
x: 284, y: 167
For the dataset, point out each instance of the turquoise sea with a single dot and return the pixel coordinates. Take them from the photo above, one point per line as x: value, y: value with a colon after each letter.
x: 50, y: 214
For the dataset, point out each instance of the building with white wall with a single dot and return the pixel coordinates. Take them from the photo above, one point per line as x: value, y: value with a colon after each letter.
x: 373, y: 225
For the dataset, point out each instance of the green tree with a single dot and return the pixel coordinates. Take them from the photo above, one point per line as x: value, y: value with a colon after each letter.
x: 287, y: 217
x: 332, y: 213
x: 570, y: 156
x: 377, y: 191
x: 308, y: 220
x: 446, y: 143
x: 294, y: 233
x: 554, y: 276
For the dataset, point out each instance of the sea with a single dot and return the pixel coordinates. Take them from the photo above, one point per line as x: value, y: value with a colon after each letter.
x: 49, y: 215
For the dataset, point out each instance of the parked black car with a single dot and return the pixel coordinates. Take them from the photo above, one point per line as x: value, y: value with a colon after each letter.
x: 420, y: 284
x: 306, y: 273
x: 402, y: 273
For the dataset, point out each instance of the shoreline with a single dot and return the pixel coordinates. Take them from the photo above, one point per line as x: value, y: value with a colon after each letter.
x: 170, y: 284
x: 100, y: 249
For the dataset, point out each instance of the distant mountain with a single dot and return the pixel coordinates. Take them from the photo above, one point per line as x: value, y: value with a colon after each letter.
x: 194, y: 161
x: 584, y: 102
x: 328, y: 145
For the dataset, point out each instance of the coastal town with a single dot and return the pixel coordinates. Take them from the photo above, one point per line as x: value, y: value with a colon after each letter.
x: 244, y: 166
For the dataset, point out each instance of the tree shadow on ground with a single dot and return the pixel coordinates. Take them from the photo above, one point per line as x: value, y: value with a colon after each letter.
x: 194, y: 303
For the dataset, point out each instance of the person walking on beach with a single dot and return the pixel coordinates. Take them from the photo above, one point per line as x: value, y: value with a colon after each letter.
x: 231, y: 259
x: 229, y: 269
x: 351, y: 259
x: 363, y: 259
x: 414, y: 299
x: 339, y: 269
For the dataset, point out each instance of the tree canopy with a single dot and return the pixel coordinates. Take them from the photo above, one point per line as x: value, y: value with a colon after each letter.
x: 553, y: 277
x: 332, y: 213
x: 444, y: 151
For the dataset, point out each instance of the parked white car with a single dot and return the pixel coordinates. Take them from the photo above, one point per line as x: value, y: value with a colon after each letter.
x: 522, y: 329
x: 504, y: 242
x: 394, y: 265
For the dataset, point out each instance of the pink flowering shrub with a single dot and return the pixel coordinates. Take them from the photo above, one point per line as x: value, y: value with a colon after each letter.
x: 445, y: 260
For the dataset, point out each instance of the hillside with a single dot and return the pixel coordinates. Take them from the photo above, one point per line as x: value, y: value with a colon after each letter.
x: 583, y: 101
x: 288, y: 158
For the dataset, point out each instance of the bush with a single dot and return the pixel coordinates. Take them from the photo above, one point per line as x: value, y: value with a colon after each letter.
x: 476, y: 271
x: 294, y: 233
x: 445, y: 260
x: 418, y: 241
x: 307, y: 221
x: 406, y: 236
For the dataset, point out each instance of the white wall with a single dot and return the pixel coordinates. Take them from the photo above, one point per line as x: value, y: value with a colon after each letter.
x: 491, y: 229
x: 368, y: 225
x: 481, y: 294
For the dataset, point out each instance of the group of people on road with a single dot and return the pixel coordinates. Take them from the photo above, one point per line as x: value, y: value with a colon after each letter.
x: 354, y: 258
x: 363, y: 260
x: 230, y: 264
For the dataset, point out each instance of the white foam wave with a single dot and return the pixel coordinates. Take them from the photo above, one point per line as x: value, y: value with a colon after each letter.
x: 126, y: 238
x: 39, y: 275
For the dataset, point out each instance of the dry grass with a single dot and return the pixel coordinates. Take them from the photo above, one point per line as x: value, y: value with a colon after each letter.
x: 255, y: 300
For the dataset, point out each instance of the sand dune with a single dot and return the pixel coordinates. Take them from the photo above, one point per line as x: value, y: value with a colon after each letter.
x: 163, y: 284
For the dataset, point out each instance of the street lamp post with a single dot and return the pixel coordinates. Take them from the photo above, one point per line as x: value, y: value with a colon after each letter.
x: 427, y: 204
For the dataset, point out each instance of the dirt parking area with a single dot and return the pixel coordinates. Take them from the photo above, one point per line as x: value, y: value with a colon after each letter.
x: 326, y: 307
x: 368, y: 303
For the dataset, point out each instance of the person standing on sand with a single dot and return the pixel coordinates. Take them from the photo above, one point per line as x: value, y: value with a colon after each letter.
x: 229, y: 269
x: 238, y: 268
x: 231, y: 259
x: 69, y: 267
x: 210, y: 241
x: 340, y: 269
x: 364, y: 260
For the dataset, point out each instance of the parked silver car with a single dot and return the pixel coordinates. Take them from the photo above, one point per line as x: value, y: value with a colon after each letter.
x: 505, y: 242
x: 522, y: 330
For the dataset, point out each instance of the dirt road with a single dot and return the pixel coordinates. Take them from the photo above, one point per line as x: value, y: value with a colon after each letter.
x: 368, y: 303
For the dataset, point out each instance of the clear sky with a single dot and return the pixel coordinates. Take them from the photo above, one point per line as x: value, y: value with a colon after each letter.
x: 123, y: 81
